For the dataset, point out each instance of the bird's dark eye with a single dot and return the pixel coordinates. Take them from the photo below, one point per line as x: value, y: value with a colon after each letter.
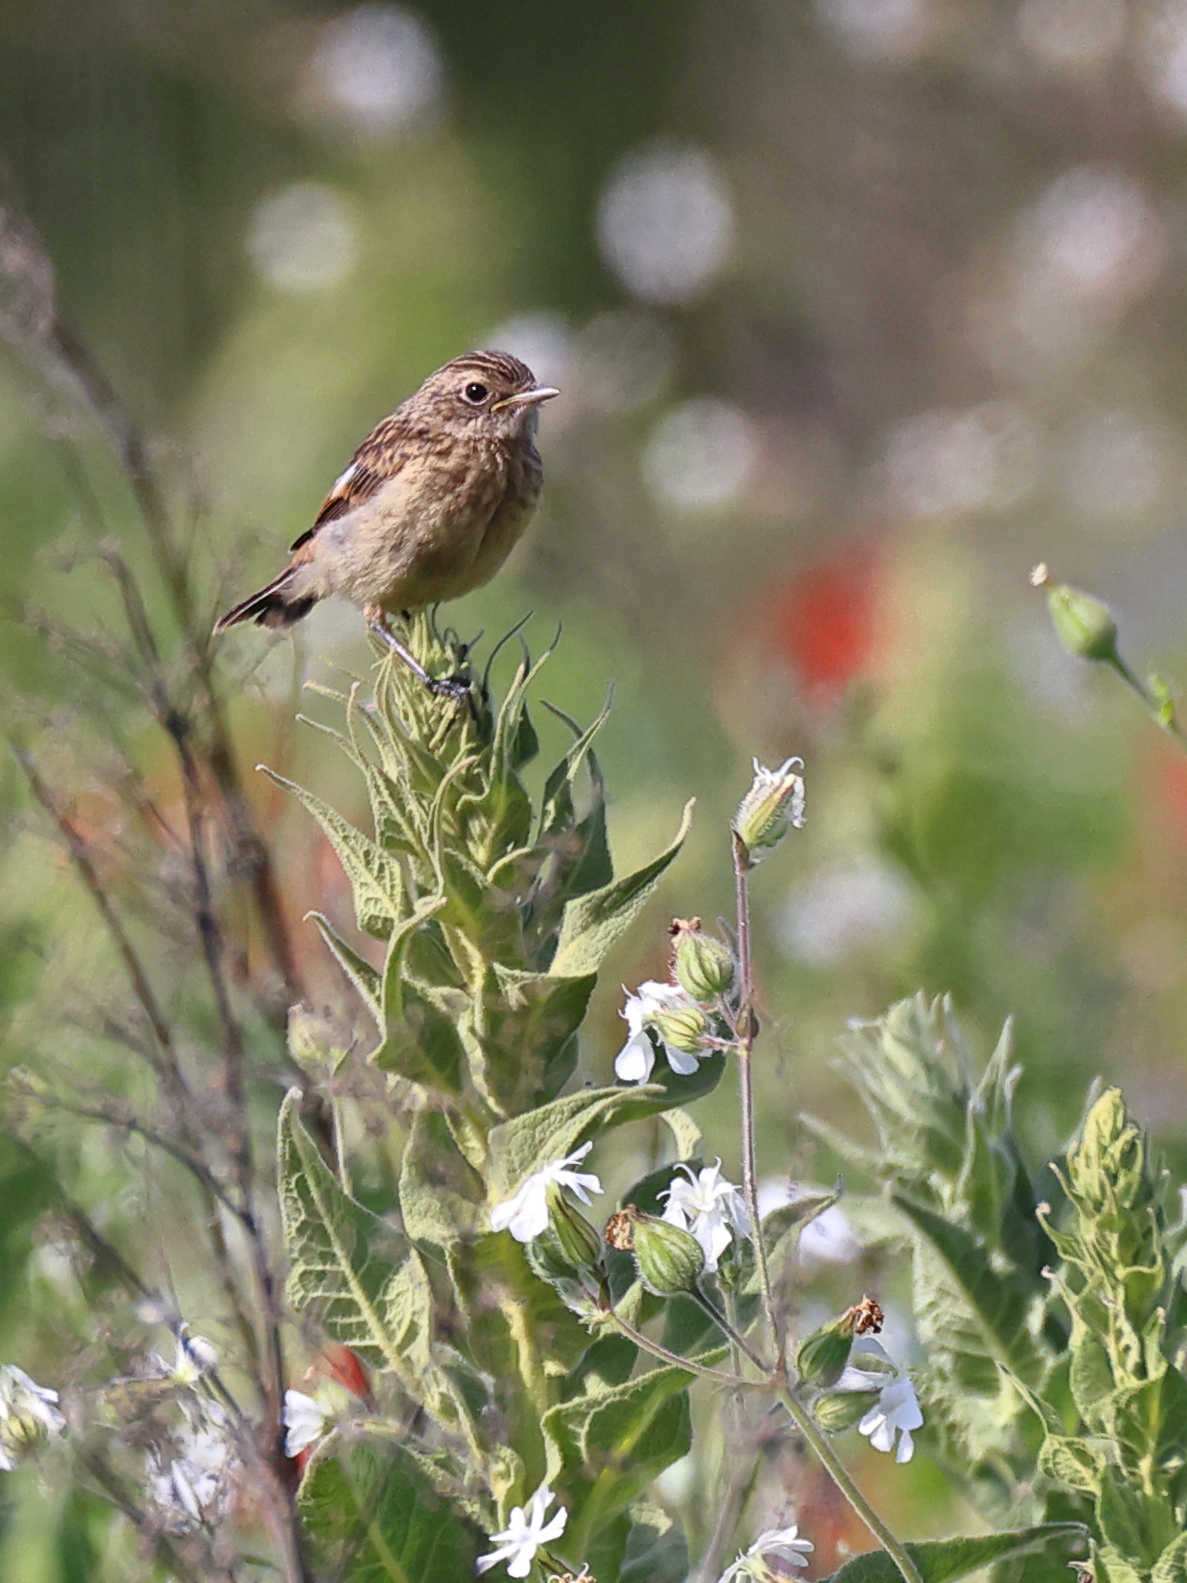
x: 476, y: 393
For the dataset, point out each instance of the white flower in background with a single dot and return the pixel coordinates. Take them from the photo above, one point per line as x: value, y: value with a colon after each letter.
x: 524, y: 1534
x: 194, y: 1490
x: 27, y: 1414
x: 635, y: 1060
x: 784, y: 1542
x: 708, y: 1206
x: 305, y: 1420
x: 896, y: 1413
x: 526, y: 1214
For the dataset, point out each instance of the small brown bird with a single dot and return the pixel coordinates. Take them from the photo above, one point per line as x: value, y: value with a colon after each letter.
x: 430, y: 507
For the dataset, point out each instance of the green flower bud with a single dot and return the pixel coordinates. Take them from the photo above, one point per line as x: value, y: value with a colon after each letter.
x: 843, y: 1410
x: 704, y: 967
x: 668, y: 1258
x: 821, y: 1359
x: 683, y: 1027
x: 575, y: 1238
x: 1083, y: 624
x: 548, y: 1259
x: 773, y: 805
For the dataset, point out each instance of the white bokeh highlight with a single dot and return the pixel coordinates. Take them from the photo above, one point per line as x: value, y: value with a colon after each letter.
x: 948, y: 462
x: 666, y: 223
x: 303, y: 238
x: 378, y: 69
x: 845, y: 909
x: 540, y: 339
x: 883, y: 30
x: 700, y: 455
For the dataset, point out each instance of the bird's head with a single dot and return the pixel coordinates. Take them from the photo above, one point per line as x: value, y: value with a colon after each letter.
x: 488, y: 394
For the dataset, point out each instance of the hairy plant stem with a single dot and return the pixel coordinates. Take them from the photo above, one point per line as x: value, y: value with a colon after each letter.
x: 645, y: 1344
x: 836, y: 1470
x: 745, y: 1047
x: 730, y: 1332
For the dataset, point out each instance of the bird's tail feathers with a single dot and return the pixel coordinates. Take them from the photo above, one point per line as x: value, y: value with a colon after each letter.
x: 279, y: 604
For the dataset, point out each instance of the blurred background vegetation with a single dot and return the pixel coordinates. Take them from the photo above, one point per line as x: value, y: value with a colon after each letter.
x: 859, y: 308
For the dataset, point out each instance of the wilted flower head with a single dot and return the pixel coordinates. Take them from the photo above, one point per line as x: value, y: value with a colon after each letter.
x: 524, y: 1534
x: 676, y: 1021
x: 708, y: 1206
x: 525, y: 1214
x: 784, y: 1542
x: 194, y: 1489
x: 27, y: 1415
x: 773, y: 806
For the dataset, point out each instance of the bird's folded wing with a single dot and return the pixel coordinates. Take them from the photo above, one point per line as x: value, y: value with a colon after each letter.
x: 379, y: 458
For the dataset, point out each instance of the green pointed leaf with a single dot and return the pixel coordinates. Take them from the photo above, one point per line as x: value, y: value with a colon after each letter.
x: 1067, y: 1459
x: 440, y: 1194
x: 945, y: 1560
x: 526, y: 1143
x: 656, y: 1550
x: 997, y: 1301
x: 615, y: 1441
x: 592, y: 923
x: 342, y: 1256
x: 366, y: 979
x: 373, y: 1516
x: 1171, y: 1566
x: 373, y: 873
x: 419, y: 1024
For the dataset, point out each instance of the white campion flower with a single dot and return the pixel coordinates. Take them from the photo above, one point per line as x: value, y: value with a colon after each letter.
x: 708, y: 1206
x: 524, y: 1534
x: 525, y: 1214
x: 27, y: 1414
x: 635, y: 1060
x: 782, y: 1541
x: 896, y: 1414
x: 305, y: 1420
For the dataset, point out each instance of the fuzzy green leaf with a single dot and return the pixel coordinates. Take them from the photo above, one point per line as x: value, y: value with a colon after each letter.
x: 1066, y: 1459
x: 997, y: 1301
x: 366, y: 979
x: 342, y: 1256
x: 526, y: 1143
x: 373, y: 1516
x: 373, y: 873
x: 592, y: 923
x: 440, y: 1193
x: 615, y: 1441
x: 945, y: 1560
x: 1171, y: 1566
x: 419, y: 1023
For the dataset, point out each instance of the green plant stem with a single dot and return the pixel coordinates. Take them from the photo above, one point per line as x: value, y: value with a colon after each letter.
x: 745, y: 1046
x: 836, y: 1470
x: 645, y: 1344
x: 1169, y: 723
x: 732, y: 1335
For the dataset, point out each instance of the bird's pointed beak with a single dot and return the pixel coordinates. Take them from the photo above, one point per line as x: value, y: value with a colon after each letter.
x: 527, y: 398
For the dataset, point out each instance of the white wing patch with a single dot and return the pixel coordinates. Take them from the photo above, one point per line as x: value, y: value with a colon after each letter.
x: 343, y: 479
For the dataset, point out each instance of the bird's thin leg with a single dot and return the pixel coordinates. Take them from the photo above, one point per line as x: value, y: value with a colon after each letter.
x: 455, y: 687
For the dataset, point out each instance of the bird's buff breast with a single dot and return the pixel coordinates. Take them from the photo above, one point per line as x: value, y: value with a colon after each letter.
x: 421, y: 540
